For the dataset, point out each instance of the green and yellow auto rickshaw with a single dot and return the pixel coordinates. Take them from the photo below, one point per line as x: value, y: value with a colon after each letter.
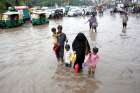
x: 11, y: 19
x: 24, y: 10
x: 39, y: 18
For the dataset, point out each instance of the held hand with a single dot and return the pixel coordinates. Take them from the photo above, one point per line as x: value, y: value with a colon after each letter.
x: 84, y: 65
x: 66, y: 41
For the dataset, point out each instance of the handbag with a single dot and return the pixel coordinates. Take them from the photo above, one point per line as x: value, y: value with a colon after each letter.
x: 73, y: 57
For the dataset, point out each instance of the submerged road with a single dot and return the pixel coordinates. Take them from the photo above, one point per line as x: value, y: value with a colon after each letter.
x: 28, y: 64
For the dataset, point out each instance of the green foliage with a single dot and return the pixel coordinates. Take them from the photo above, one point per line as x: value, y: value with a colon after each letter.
x: 2, y: 6
x: 16, y: 2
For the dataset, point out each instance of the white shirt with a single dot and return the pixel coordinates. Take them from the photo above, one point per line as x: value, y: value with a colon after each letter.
x: 67, y: 57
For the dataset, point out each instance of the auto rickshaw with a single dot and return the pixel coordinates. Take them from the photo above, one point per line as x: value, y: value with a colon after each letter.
x: 39, y: 18
x: 11, y: 19
x: 25, y: 11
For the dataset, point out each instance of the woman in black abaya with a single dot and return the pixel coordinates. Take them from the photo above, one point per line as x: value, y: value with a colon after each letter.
x: 81, y: 46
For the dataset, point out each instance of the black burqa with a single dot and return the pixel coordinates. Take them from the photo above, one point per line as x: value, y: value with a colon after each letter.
x: 81, y: 46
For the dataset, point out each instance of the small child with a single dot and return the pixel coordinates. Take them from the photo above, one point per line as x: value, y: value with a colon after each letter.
x: 67, y: 55
x: 56, y: 46
x: 76, y: 66
x: 91, y: 60
x: 54, y: 35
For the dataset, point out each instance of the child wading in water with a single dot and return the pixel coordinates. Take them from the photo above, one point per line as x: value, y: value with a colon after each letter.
x: 56, y: 46
x: 70, y: 57
x: 73, y: 58
x: 67, y: 55
x: 91, y: 61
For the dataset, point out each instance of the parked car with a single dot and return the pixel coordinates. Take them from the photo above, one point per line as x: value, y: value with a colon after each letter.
x: 117, y: 10
x: 58, y: 13
x: 54, y: 13
x: 39, y: 17
x: 91, y: 10
x: 44, y: 8
x: 136, y: 9
x: 50, y: 13
x: 75, y: 12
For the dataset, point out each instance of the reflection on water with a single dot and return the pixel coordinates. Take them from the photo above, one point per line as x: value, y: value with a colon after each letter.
x: 93, y: 36
x: 64, y: 78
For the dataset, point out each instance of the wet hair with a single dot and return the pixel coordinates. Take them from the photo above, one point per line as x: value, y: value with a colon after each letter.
x: 95, y: 50
x: 53, y: 29
x: 67, y: 47
x: 59, y: 27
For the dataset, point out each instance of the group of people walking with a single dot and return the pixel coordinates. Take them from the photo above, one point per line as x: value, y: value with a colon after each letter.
x: 78, y: 55
x: 81, y: 52
x: 93, y: 24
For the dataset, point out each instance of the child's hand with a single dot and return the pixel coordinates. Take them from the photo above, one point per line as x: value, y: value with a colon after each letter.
x: 84, y: 65
x: 74, y: 52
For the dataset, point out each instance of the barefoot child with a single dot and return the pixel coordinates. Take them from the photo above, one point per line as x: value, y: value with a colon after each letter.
x: 91, y: 60
x: 73, y: 58
x: 67, y: 56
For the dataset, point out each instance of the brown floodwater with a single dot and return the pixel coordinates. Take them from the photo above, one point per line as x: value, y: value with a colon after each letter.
x: 28, y: 64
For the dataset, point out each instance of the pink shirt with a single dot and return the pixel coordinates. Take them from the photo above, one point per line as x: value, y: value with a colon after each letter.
x: 91, y: 59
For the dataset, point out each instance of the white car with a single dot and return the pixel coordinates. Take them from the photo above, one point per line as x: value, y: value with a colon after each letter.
x: 75, y: 12
x: 50, y: 13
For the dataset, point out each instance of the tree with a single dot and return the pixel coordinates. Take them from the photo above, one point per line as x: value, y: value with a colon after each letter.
x: 2, y: 6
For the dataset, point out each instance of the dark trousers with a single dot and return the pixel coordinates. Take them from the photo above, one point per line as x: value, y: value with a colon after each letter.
x: 124, y: 25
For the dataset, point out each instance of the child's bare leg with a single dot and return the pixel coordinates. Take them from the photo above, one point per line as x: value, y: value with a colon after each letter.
x: 92, y: 71
x: 89, y: 72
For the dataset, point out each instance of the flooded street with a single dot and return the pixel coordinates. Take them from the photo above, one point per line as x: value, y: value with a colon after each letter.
x: 28, y: 64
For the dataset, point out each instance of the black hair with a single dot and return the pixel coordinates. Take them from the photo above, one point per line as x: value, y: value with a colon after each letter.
x: 67, y: 47
x: 95, y: 50
x: 59, y: 27
x: 93, y: 15
x: 53, y: 29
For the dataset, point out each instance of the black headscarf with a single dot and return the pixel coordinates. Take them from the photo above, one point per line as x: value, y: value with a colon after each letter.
x: 81, y: 42
x: 81, y: 46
